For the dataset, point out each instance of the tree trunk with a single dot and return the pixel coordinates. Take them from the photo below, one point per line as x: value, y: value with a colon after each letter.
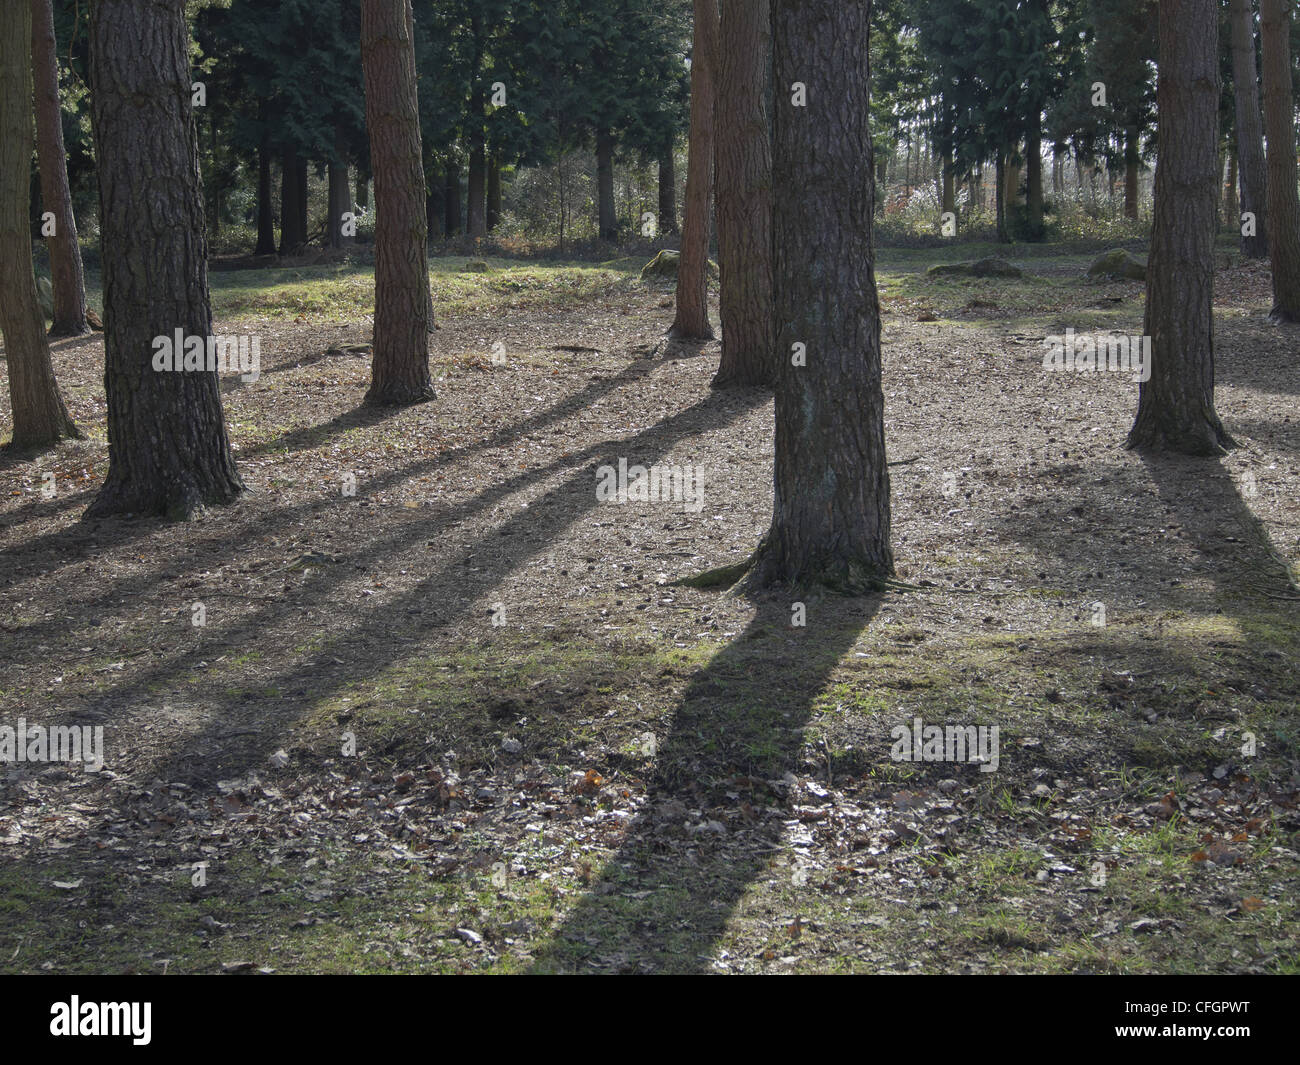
x: 65, y: 251
x: 265, y: 211
x: 692, y: 318
x: 476, y: 203
x: 400, y: 366
x: 39, y: 417
x: 340, y: 201
x: 667, y: 193
x: 1251, y: 167
x: 168, y: 452
x: 1279, y: 128
x: 494, y: 193
x: 830, y: 518
x: 1176, y: 406
x: 744, y: 198
x: 293, y: 211
x: 1132, y: 160
x: 1000, y: 198
x: 363, y: 189
x: 608, y: 215
x: 1034, y: 178
x: 1230, y: 211
x: 452, y: 197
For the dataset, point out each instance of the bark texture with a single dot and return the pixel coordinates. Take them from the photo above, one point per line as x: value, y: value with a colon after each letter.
x: 1279, y: 128
x: 1176, y: 406
x: 744, y: 197
x: 831, y: 519
x: 39, y: 417
x: 168, y: 452
x: 400, y: 367
x: 692, y: 318
x: 1251, y: 167
x: 66, y: 273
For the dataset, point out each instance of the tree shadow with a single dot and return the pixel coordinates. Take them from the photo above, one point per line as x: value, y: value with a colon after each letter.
x: 716, y: 807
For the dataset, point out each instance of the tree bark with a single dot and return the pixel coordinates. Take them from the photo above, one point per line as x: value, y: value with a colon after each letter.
x: 606, y: 212
x: 1034, y: 178
x: 452, y: 198
x: 265, y: 211
x: 1251, y: 167
x: 494, y: 193
x: 400, y: 366
x: 1132, y: 161
x: 340, y: 200
x: 65, y: 252
x: 1279, y: 128
x: 293, y: 211
x: 830, y: 520
x: 744, y: 198
x: 1176, y: 406
x: 168, y: 452
x: 692, y: 319
x: 667, y: 193
x: 39, y: 416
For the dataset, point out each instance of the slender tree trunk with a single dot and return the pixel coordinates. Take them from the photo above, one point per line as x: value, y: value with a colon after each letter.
x: 667, y: 193
x: 692, y: 319
x: 1230, y: 211
x: 168, y: 452
x: 1132, y: 161
x: 1279, y: 128
x: 65, y: 251
x: 39, y: 416
x: 1251, y: 167
x: 1034, y: 177
x: 608, y: 215
x: 476, y: 202
x: 293, y: 228
x: 452, y: 197
x: 265, y: 210
x: 363, y: 189
x: 400, y: 366
x: 744, y: 198
x: 1000, y: 191
x: 340, y: 198
x: 494, y: 193
x: 1176, y: 406
x: 830, y: 519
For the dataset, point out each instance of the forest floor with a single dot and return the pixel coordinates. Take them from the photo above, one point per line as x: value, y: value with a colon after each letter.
x: 567, y: 760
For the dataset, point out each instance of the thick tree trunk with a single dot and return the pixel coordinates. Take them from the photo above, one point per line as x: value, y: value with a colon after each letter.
x: 494, y: 193
x: 39, y: 417
x: 400, y: 366
x: 606, y: 212
x: 692, y: 319
x: 1176, y: 406
x: 830, y: 519
x: 265, y: 210
x: 65, y: 252
x: 1132, y: 161
x: 1251, y: 167
x: 168, y: 452
x: 667, y: 193
x: 451, y: 196
x: 744, y: 198
x: 1279, y: 128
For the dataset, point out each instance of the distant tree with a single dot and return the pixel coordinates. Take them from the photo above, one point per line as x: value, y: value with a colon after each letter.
x: 1176, y: 406
x: 1279, y: 127
x: 692, y: 318
x: 743, y: 189
x: 830, y: 519
x: 39, y: 417
x: 1251, y: 166
x: 66, y: 272
x: 400, y: 364
x: 168, y: 452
